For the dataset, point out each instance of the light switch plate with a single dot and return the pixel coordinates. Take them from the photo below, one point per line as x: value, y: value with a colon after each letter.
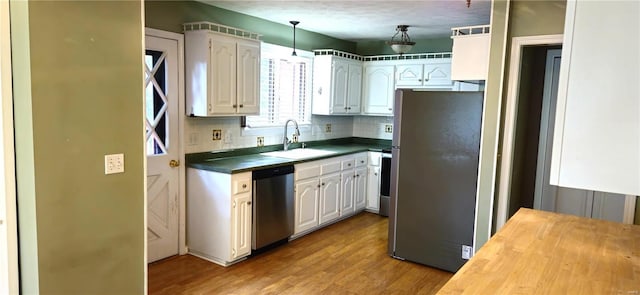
x: 260, y: 141
x: 113, y: 163
x: 388, y: 128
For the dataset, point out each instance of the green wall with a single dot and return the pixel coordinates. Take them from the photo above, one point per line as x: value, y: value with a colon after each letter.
x: 526, y: 18
x: 170, y: 15
x: 78, y: 96
x: 422, y: 45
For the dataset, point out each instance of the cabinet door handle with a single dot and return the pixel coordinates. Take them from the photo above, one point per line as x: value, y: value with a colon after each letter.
x: 390, y: 109
x: 354, y: 176
x: 235, y: 106
x: 349, y: 164
x: 318, y: 185
x: 362, y: 162
x: 323, y: 184
x: 249, y: 203
x: 244, y: 185
x: 375, y: 174
x: 241, y: 106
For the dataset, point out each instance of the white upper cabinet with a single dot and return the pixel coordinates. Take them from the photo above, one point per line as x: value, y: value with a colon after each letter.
x: 222, y: 74
x: 337, y: 85
x: 597, y: 129
x: 424, y: 74
x: 378, y: 89
x: 248, y: 83
x: 470, y: 53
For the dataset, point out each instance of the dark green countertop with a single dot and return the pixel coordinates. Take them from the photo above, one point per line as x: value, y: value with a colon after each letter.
x: 242, y: 160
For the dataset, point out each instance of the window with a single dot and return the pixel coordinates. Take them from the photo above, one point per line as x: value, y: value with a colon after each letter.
x: 285, y: 87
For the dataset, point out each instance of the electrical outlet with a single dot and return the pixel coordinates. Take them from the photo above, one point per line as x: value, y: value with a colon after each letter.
x: 217, y: 134
x: 388, y: 128
x: 113, y: 163
x: 467, y: 252
x: 327, y: 128
x: 294, y: 138
x: 260, y: 141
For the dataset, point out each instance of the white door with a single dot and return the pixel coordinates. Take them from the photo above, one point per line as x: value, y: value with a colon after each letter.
x: 373, y: 189
x: 339, y: 78
x: 248, y: 78
x: 378, y: 89
x: 409, y: 75
x: 360, y: 188
x: 222, y: 71
x: 241, y: 225
x: 162, y: 146
x: 549, y: 197
x: 354, y: 89
x: 329, y: 197
x: 306, y: 214
x: 348, y: 178
x: 438, y: 74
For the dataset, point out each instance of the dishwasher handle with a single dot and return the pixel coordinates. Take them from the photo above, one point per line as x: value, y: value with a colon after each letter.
x: 271, y: 172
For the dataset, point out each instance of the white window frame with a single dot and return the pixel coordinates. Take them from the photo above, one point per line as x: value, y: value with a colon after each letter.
x: 277, y: 129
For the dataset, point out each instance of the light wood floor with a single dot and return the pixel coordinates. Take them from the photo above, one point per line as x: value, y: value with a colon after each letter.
x: 349, y: 257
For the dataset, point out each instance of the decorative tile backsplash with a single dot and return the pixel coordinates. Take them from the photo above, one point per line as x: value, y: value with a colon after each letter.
x: 373, y: 127
x: 199, y: 131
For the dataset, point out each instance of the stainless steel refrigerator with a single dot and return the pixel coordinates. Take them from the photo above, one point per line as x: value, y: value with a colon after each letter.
x: 434, y: 173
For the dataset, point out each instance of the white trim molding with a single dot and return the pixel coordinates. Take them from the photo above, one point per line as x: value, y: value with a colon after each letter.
x: 9, y: 274
x: 511, y: 109
x: 629, y: 209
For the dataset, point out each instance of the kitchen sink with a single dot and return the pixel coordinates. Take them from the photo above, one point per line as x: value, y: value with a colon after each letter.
x: 298, y: 154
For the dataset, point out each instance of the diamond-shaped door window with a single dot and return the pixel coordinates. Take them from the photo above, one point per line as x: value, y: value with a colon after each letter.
x: 156, y: 103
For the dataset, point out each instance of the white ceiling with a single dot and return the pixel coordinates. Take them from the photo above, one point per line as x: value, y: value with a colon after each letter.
x: 367, y: 20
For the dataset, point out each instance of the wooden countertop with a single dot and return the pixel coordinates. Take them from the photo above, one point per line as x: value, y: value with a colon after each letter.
x: 539, y: 252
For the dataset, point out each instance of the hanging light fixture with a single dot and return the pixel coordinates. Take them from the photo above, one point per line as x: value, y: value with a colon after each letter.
x: 403, y: 43
x: 294, y: 23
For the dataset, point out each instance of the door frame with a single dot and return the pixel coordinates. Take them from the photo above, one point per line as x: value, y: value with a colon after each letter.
x: 9, y: 274
x: 511, y: 111
x: 182, y: 244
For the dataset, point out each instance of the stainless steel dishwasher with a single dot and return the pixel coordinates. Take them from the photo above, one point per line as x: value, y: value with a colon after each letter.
x: 273, y: 211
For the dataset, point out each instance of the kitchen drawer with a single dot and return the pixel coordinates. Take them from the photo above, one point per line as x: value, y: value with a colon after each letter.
x: 348, y: 163
x: 330, y: 167
x: 241, y: 186
x: 307, y: 170
x: 361, y: 160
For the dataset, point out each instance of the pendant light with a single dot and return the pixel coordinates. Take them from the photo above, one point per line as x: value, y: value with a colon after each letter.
x: 294, y: 23
x: 403, y: 43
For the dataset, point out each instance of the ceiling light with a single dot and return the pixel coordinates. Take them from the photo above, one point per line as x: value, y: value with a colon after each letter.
x: 403, y: 43
x: 294, y: 23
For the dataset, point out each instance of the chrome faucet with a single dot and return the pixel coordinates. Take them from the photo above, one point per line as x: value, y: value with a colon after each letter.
x: 286, y: 141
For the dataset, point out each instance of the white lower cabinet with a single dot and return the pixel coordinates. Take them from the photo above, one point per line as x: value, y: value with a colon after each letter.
x: 329, y: 197
x: 360, y: 185
x: 348, y: 191
x: 241, y: 213
x: 219, y: 215
x: 373, y: 182
x: 306, y: 202
x: 328, y: 190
